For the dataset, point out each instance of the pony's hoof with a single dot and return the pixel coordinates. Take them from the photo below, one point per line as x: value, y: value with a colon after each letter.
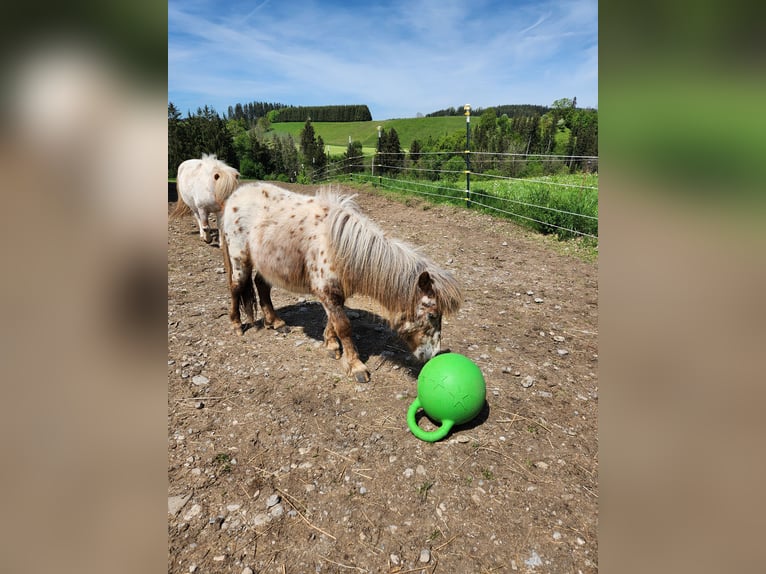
x: 362, y: 377
x: 334, y: 353
x: 284, y: 329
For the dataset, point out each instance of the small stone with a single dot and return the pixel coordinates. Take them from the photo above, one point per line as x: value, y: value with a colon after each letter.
x: 272, y: 500
x: 394, y: 559
x: 534, y: 560
x: 193, y: 568
x: 193, y: 512
x: 408, y: 473
x: 200, y: 380
x: 220, y: 270
x: 504, y: 244
x: 261, y: 519
x: 484, y: 356
x: 507, y: 370
x: 557, y: 535
x: 541, y: 465
x: 530, y: 292
x: 545, y: 394
x: 425, y: 556
x: 528, y: 381
x: 277, y: 510
x: 176, y: 503
x: 558, y: 339
x: 247, y: 570
x: 362, y: 490
x: 538, y: 300
x: 580, y: 541
x: 562, y: 352
x: 233, y: 507
x: 220, y: 558
x: 199, y: 405
x: 463, y: 439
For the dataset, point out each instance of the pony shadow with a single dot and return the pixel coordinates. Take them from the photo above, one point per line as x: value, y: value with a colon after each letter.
x: 477, y: 421
x: 370, y: 331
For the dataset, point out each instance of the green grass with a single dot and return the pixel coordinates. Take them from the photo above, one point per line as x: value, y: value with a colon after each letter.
x: 337, y: 133
x: 522, y: 200
x: 567, y: 203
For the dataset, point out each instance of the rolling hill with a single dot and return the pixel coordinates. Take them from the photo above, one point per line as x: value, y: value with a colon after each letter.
x: 337, y: 134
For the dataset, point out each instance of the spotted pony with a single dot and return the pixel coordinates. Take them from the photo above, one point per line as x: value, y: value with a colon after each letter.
x: 325, y: 246
x: 203, y: 186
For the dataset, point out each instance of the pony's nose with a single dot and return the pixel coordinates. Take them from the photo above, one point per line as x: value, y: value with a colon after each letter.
x: 426, y: 352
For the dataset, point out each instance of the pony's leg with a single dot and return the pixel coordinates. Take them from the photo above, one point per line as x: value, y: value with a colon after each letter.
x: 340, y: 326
x: 203, y: 218
x: 270, y: 317
x: 331, y: 342
x: 242, y: 293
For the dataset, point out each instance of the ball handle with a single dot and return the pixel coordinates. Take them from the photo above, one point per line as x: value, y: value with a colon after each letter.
x: 428, y: 436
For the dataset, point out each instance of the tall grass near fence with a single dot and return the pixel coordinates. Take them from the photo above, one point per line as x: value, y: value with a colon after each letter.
x: 564, y: 204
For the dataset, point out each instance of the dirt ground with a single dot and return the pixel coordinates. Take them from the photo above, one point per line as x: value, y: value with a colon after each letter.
x: 278, y: 462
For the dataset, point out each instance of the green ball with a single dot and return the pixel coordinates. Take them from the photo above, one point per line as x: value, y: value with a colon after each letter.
x: 451, y: 390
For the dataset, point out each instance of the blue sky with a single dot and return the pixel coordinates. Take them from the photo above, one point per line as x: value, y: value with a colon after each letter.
x: 400, y: 57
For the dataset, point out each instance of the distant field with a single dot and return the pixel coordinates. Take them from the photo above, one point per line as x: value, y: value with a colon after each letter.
x: 336, y: 134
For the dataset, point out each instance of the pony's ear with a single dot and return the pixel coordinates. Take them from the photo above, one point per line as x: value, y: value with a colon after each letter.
x: 425, y: 283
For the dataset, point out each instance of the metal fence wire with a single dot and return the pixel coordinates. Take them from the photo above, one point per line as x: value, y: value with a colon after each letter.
x: 561, y: 197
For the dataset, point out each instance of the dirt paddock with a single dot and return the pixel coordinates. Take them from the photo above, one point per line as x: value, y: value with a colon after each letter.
x: 278, y: 462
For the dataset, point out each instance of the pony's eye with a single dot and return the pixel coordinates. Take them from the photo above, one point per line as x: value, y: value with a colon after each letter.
x: 216, y: 176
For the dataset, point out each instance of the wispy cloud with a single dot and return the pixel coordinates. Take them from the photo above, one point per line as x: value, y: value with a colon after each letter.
x: 400, y: 58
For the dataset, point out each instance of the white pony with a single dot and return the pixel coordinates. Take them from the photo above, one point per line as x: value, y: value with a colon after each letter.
x: 203, y: 186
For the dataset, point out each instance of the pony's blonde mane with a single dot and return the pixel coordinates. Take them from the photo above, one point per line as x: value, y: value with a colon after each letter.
x: 223, y: 187
x: 369, y: 263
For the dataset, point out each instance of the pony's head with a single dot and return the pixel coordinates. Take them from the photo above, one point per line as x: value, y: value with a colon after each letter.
x: 223, y: 178
x: 436, y: 294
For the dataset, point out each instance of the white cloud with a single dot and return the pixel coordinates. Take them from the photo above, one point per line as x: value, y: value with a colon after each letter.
x: 400, y: 59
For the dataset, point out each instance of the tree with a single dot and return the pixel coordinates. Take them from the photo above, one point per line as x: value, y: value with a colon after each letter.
x: 176, y: 140
x: 484, y: 136
x: 391, y: 156
x: 308, y: 141
x: 415, y: 150
x: 353, y: 157
x: 320, y: 157
x: 583, y: 140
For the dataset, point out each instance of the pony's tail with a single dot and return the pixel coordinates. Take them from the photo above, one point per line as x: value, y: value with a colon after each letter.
x: 242, y: 294
x: 180, y: 210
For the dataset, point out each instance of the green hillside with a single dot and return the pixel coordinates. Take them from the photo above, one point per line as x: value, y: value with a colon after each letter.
x: 337, y: 133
